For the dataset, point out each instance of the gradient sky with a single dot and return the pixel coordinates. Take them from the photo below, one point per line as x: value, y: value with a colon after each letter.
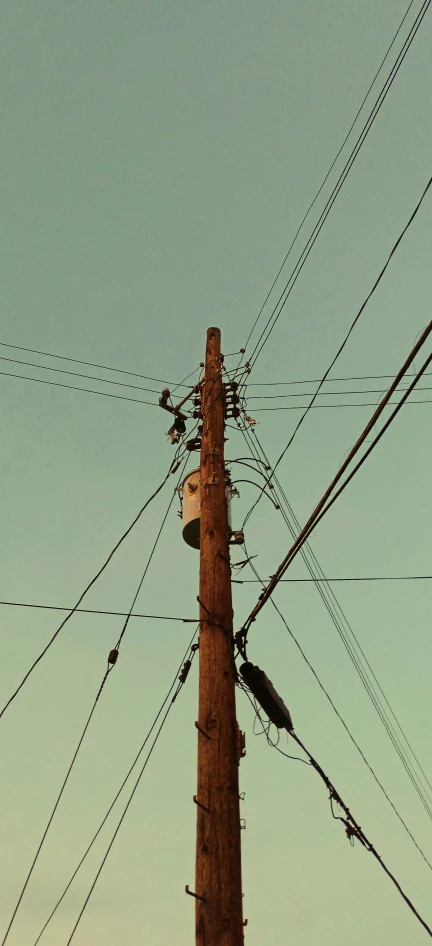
x: 158, y: 158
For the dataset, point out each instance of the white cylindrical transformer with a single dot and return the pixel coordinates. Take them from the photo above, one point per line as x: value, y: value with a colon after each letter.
x: 191, y: 508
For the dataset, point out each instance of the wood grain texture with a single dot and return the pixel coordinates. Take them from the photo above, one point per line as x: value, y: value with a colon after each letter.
x: 219, y: 920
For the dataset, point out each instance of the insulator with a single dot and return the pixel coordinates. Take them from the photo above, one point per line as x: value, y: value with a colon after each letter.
x: 112, y: 657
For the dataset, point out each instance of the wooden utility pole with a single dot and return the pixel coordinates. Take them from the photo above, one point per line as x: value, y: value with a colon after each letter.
x: 219, y: 915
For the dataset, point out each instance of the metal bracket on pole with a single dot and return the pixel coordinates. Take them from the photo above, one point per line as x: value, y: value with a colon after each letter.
x: 196, y: 895
x: 200, y: 805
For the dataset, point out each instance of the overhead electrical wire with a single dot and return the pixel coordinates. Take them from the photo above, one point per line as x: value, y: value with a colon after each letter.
x: 353, y: 830
x: 122, y: 786
x: 112, y: 660
x: 291, y: 581
x: 363, y: 377
x: 78, y: 374
x: 323, y: 407
x: 327, y: 500
x: 110, y: 667
x: 174, y: 466
x: 355, y: 321
x: 72, y: 387
x: 345, y: 725
x: 419, y: 779
x: 277, y: 397
x: 271, y: 322
x: 121, y: 614
x: 90, y: 364
x: 313, y: 202
x: 182, y: 680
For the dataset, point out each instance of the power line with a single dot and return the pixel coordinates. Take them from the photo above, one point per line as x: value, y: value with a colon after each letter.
x: 321, y: 508
x: 72, y: 387
x: 90, y: 364
x: 352, y: 828
x: 345, y: 725
x: 172, y: 469
x: 311, y: 205
x: 318, y: 407
x: 125, y: 810
x: 255, y: 581
x: 56, y: 804
x: 118, y: 793
x: 121, y: 614
x: 271, y: 322
x: 363, y: 377
x: 277, y: 397
x: 77, y: 374
x: 348, y: 637
x: 112, y: 660
x: 355, y: 321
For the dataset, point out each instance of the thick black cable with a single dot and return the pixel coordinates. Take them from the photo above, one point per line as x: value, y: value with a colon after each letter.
x: 325, y: 502
x: 328, y: 597
x: 355, y: 321
x: 318, y: 227
x: 331, y: 499
x: 344, y: 724
x: 90, y: 364
x: 72, y: 387
x: 311, y: 205
x: 340, y: 621
x: 173, y: 467
x: 125, y: 780
x: 353, y: 830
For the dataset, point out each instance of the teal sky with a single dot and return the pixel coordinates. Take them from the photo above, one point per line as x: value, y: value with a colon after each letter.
x: 157, y: 161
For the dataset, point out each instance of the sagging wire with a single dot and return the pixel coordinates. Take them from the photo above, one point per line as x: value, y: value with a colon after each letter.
x: 354, y: 831
x: 173, y: 467
x: 181, y: 676
x: 112, y: 660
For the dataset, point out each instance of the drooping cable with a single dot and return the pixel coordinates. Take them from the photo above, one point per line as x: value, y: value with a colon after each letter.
x: 174, y: 465
x: 122, y: 786
x: 112, y: 660
x: 344, y: 724
x: 420, y: 782
x: 352, y: 828
x: 125, y: 810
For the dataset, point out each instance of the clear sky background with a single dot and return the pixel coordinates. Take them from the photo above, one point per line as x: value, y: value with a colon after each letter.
x: 157, y: 160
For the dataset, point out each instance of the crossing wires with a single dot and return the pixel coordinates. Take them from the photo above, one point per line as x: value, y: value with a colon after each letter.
x: 283, y: 298
x: 328, y: 499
